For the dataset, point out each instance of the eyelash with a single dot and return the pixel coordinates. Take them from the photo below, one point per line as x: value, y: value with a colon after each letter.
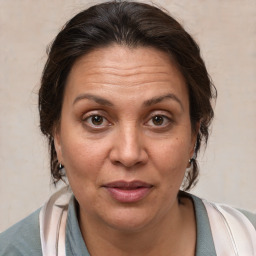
x: 88, y: 120
x: 166, y: 121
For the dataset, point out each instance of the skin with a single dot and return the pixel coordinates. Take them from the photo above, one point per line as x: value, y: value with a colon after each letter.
x: 107, y: 133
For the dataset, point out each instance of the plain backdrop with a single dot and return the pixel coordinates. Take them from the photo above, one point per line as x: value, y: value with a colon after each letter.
x: 226, y: 33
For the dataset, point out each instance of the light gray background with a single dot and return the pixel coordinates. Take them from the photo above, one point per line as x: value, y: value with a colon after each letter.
x: 226, y: 32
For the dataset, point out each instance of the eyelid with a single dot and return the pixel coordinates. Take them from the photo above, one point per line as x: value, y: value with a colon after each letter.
x: 164, y: 114
x: 90, y: 114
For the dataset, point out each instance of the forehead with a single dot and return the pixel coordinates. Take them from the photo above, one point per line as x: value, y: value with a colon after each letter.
x: 125, y: 71
x: 124, y: 62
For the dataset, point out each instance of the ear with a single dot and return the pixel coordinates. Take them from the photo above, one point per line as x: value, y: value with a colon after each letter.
x: 57, y: 145
x: 194, y: 138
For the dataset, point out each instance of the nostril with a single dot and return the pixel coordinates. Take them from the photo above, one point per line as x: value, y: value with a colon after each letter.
x: 128, y: 149
x: 127, y: 164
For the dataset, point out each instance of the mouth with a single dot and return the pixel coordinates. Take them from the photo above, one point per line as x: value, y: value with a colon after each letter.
x: 128, y: 192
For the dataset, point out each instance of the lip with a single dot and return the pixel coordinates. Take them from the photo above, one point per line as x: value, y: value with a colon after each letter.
x: 128, y: 191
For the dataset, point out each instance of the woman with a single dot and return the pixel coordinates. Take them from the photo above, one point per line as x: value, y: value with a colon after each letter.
x: 125, y: 102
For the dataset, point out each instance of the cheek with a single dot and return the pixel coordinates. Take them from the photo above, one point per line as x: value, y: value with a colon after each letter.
x: 81, y: 158
x: 83, y: 163
x: 171, y: 162
x: 173, y: 153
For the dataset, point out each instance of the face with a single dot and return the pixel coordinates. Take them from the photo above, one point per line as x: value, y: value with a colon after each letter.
x: 125, y: 135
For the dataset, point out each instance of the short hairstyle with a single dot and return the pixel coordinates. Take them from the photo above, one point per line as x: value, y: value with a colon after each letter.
x: 131, y: 24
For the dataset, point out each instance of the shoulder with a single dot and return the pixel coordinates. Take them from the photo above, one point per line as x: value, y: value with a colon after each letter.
x: 231, y: 213
x: 231, y: 229
x: 250, y: 216
x: 23, y: 238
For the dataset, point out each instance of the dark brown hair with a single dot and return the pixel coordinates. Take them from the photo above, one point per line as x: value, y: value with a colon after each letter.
x: 131, y: 24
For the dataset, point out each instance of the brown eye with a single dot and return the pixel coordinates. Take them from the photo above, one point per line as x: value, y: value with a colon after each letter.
x: 96, y: 120
x: 158, y: 120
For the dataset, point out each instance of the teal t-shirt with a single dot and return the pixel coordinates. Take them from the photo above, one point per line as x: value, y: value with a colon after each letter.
x: 23, y: 239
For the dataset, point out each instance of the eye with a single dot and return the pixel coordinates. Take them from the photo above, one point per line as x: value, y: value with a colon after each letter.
x: 96, y: 121
x: 159, y: 120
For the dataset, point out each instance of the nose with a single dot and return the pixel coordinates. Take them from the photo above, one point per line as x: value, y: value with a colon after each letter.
x: 128, y: 148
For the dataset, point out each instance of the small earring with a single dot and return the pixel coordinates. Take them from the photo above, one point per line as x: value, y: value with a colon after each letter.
x: 61, y: 166
x: 190, y: 161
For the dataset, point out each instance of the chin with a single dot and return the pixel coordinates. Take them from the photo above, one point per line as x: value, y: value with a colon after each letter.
x: 129, y: 220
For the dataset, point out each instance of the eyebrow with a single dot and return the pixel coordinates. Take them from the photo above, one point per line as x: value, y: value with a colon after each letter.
x: 97, y: 99
x: 147, y: 103
x: 159, y: 99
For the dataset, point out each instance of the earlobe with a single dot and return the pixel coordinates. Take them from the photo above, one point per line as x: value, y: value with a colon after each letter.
x: 57, y: 145
x: 194, y: 139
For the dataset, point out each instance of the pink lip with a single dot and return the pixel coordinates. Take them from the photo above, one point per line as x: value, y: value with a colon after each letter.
x: 128, y: 192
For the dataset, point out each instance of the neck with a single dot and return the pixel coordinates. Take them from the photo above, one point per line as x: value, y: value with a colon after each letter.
x: 165, y: 236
